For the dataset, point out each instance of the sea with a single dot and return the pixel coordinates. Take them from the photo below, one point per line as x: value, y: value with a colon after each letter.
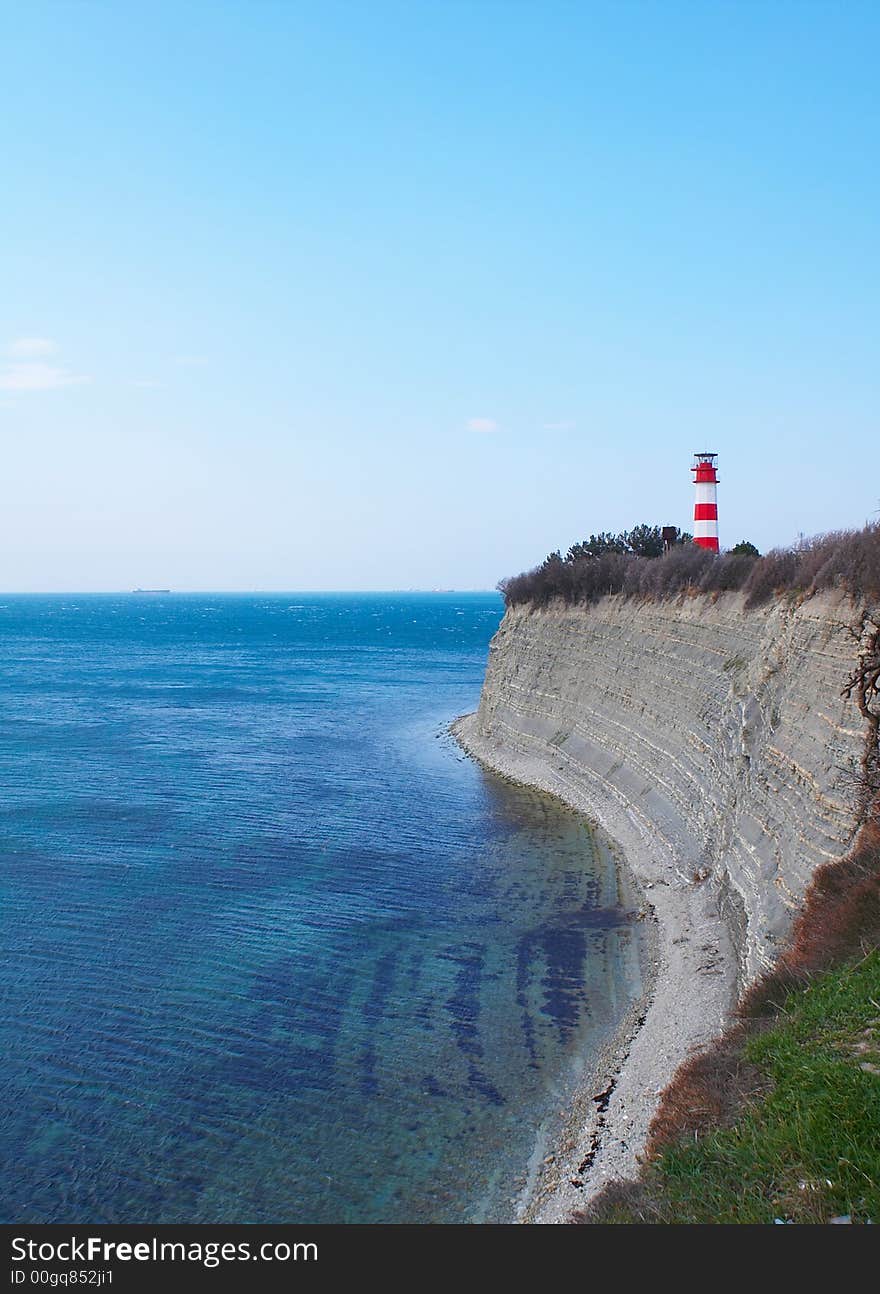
x: 272, y: 948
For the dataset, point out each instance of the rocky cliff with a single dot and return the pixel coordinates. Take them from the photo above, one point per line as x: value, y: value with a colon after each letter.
x: 717, y: 735
x: 714, y: 746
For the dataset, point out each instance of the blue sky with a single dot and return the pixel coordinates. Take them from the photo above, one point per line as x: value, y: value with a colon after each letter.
x: 379, y: 295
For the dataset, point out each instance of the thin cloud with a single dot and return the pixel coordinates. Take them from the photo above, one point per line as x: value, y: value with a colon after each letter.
x: 29, y: 370
x: 484, y: 425
x: 31, y: 348
x: 38, y: 377
x: 564, y: 425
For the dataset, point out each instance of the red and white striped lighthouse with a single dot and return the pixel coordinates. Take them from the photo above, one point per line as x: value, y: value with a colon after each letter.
x: 705, y: 501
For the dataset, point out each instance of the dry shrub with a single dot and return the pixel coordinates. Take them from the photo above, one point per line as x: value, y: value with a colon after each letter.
x: 852, y: 559
x: 679, y: 570
x: 631, y: 1198
x: 839, y: 920
x: 706, y: 1091
x: 727, y: 573
x: 847, y: 560
x: 770, y: 576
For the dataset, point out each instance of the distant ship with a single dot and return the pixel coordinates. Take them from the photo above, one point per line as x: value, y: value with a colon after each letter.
x: 151, y: 590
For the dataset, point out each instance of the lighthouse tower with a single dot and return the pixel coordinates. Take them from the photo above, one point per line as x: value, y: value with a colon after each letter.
x: 705, y: 501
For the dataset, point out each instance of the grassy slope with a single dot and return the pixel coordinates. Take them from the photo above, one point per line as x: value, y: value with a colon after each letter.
x: 809, y: 1149
x: 781, y: 1117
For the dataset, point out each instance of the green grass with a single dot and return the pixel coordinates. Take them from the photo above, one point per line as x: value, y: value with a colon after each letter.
x: 808, y: 1149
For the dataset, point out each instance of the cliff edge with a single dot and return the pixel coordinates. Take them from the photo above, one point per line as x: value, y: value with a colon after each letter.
x: 714, y: 745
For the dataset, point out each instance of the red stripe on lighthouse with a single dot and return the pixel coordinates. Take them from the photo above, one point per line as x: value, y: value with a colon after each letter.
x: 705, y: 512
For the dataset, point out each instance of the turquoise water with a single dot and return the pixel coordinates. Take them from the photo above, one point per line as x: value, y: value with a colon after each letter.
x: 272, y: 948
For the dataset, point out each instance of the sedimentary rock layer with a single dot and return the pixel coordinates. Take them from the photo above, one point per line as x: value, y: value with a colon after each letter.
x: 720, y: 734
x: 714, y: 746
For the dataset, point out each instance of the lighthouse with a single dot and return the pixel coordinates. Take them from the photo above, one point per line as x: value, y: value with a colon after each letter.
x: 705, y: 501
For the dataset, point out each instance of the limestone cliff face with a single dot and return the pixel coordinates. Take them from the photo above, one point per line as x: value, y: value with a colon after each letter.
x: 714, y: 737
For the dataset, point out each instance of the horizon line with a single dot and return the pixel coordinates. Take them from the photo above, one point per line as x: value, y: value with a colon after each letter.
x: 12, y: 593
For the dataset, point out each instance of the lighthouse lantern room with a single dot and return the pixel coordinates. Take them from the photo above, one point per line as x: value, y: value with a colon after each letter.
x: 705, y: 501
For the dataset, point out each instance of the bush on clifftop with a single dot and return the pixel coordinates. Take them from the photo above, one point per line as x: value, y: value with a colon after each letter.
x: 627, y: 564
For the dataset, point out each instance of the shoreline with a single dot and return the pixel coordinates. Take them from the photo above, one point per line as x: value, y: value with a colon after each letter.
x: 604, y: 1134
